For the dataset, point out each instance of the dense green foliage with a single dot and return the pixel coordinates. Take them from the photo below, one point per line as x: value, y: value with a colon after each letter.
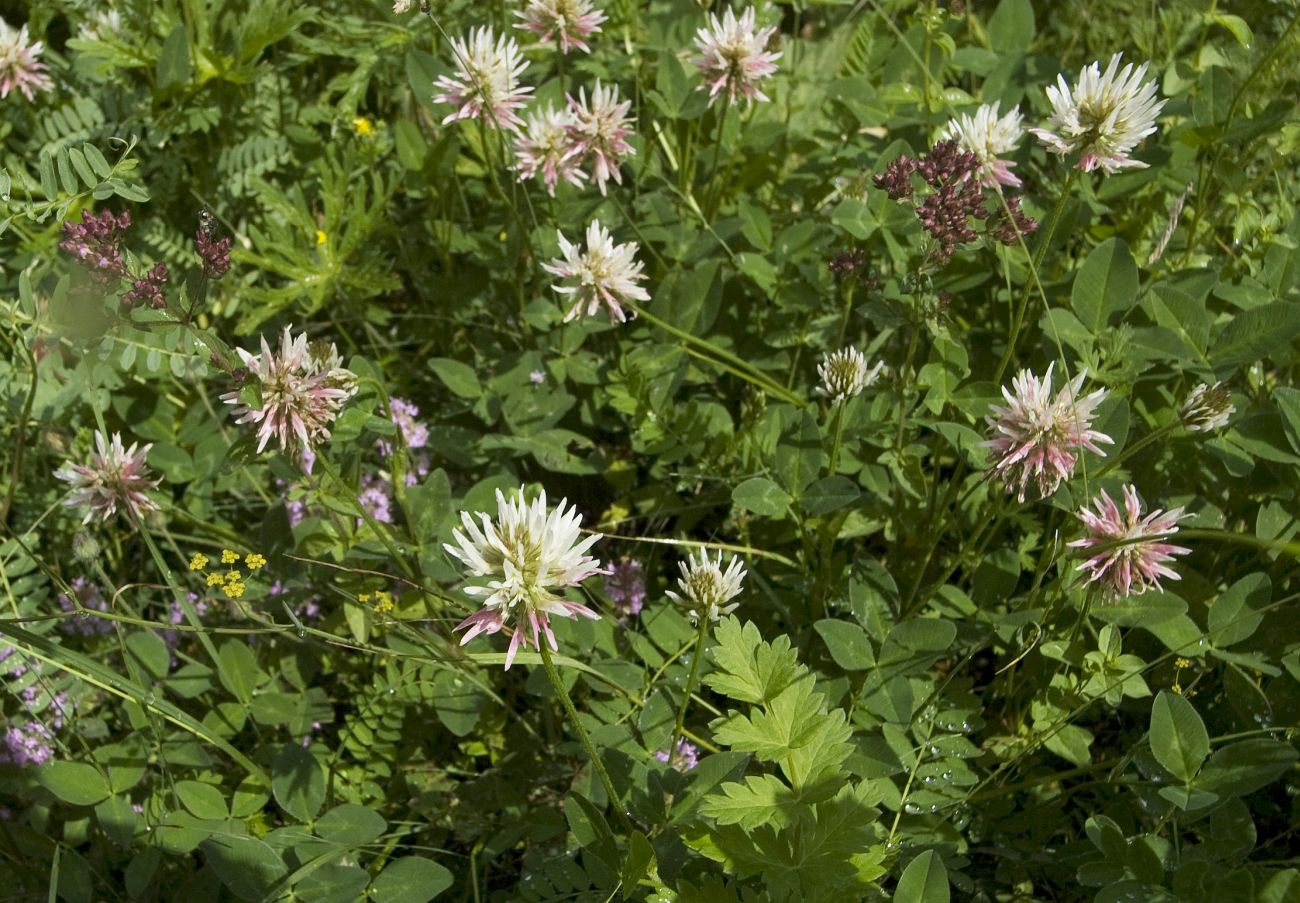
x: 919, y: 697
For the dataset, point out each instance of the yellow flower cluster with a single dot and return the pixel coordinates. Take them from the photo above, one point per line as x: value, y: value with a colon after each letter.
x: 231, y: 581
x: 364, y: 127
x: 383, y: 600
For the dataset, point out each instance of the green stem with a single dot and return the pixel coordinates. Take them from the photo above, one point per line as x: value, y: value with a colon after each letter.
x: 848, y: 310
x: 1035, y: 263
x: 582, y: 736
x: 690, y: 684
x: 835, y: 440
x: 1136, y: 447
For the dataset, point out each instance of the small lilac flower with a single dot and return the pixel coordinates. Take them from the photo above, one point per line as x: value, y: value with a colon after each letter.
x: 625, y: 587
x: 684, y: 758
x: 734, y: 56
x: 116, y: 480
x: 1129, y: 559
x: 988, y: 137
x: 528, y: 551
x: 1103, y: 118
x: 414, y: 433
x: 1038, y: 437
x: 548, y: 148
x: 537, y: 377
x: 486, y: 83
x: 90, y: 599
x: 604, y: 275
x: 564, y: 22
x: 20, y: 66
x: 148, y: 289
x: 600, y: 131
x: 302, y: 389
x: 375, y: 499
x: 96, y: 243
x: 27, y: 745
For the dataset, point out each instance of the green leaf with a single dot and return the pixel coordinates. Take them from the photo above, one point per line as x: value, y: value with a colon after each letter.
x: 412, y: 149
x: 459, y: 378
x: 829, y: 494
x: 1251, y: 335
x: 298, y: 782
x: 410, y: 880
x: 248, y: 867
x: 640, y: 858
x: 590, y: 829
x: 848, y: 644
x: 1011, y: 27
x: 118, y: 820
x: 150, y: 652
x: 758, y: 800
x: 238, y: 669
x: 333, y: 883
x: 351, y: 824
x: 1246, y: 766
x: 202, y: 799
x: 458, y: 701
x: 749, y: 669
x: 73, y: 782
x: 174, y: 61
x: 1179, y: 740
x: 925, y: 880
x: 1236, y: 614
x: 96, y: 160
x: 1106, y: 284
x: 761, y: 496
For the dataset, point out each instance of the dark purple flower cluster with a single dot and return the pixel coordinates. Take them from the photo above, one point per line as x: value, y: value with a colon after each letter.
x: 955, y: 198
x: 148, y: 289
x: 846, y: 263
x: 96, y: 243
x: 214, y: 255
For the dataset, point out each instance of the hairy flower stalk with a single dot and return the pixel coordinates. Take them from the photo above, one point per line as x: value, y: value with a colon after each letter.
x: 733, y: 56
x: 1039, y: 437
x: 485, y: 85
x: 300, y: 390
x: 527, y: 552
x: 1128, y: 557
x: 565, y: 23
x: 20, y: 65
x: 845, y: 373
x: 600, y: 130
x: 115, y: 480
x: 547, y: 148
x: 1103, y: 117
x: 1207, y: 408
x: 604, y: 275
x: 988, y: 137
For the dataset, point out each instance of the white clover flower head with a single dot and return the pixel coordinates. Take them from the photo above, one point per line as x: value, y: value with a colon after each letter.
x: 486, y: 82
x: 845, y: 373
x: 20, y: 65
x: 733, y: 56
x: 563, y: 22
x: 600, y: 130
x: 547, y: 148
x: 604, y: 275
x: 988, y: 137
x: 1039, y: 437
x: 707, y: 587
x: 1207, y: 408
x: 115, y: 480
x: 527, y: 552
x: 1103, y: 118
x: 302, y: 387
x: 1129, y: 558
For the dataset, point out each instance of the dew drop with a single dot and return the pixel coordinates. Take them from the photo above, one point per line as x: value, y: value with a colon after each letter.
x: 912, y: 809
x: 928, y: 779
x: 934, y: 807
x: 947, y: 776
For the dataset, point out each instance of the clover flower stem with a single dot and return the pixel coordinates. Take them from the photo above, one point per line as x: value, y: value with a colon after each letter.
x: 836, y: 434
x: 717, y: 157
x: 848, y: 311
x: 1036, y: 261
x: 721, y: 358
x: 1130, y: 451
x: 700, y: 635
x: 905, y: 379
x: 560, y: 691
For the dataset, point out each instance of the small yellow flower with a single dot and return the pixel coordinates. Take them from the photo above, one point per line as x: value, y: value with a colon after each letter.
x: 198, y: 562
x: 1181, y: 662
x: 216, y: 579
x: 1177, y: 688
x: 383, y: 602
x: 363, y: 597
x: 234, y: 589
x: 228, y: 556
x: 321, y: 237
x: 254, y: 561
x: 364, y: 126
x: 233, y: 576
